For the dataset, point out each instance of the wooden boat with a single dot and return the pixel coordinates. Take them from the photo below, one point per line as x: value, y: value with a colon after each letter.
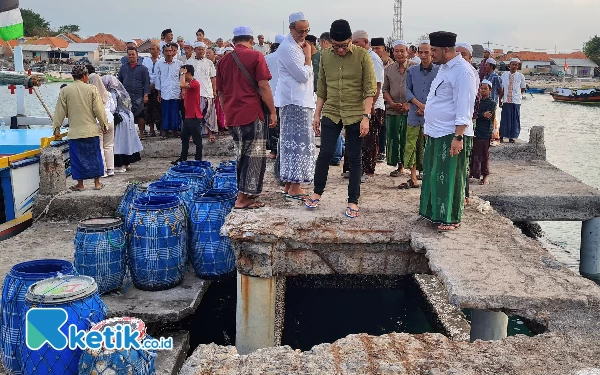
x: 54, y: 79
x: 581, y: 96
x: 533, y: 90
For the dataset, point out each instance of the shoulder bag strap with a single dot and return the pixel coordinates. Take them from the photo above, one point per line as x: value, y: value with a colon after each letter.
x: 245, y: 71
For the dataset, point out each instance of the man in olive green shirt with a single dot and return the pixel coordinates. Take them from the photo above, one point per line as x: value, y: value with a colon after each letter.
x: 345, y: 92
x: 82, y: 104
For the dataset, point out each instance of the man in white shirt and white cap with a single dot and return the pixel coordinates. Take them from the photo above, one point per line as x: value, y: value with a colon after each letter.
x: 295, y: 100
x: 205, y: 73
x: 261, y: 46
x: 448, y: 119
x: 513, y: 86
x: 370, y: 146
x: 271, y: 60
x: 188, y: 51
x: 487, y: 53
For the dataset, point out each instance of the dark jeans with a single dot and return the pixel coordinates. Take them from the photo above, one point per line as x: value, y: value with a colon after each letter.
x: 193, y: 127
x: 273, y: 140
x: 330, y: 132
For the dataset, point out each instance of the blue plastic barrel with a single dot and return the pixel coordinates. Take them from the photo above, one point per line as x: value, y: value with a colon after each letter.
x: 100, y: 252
x: 202, y: 164
x: 133, y: 192
x: 78, y: 296
x: 157, y: 234
x: 21, y: 277
x: 178, y: 187
x: 228, y: 163
x: 227, y: 169
x: 225, y: 180
x: 211, y: 254
x: 131, y: 361
x: 197, y: 177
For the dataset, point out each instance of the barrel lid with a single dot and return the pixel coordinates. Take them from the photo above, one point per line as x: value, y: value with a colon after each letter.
x: 135, y: 324
x: 61, y: 289
x: 100, y: 222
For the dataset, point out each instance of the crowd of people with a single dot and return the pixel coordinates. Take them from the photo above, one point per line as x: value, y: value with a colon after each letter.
x: 424, y: 110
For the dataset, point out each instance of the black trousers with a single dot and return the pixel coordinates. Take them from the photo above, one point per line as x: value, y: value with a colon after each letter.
x: 383, y: 136
x: 193, y: 127
x: 330, y: 132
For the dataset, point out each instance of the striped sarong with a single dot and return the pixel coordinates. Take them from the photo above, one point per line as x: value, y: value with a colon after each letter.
x: 250, y: 143
x: 207, y: 106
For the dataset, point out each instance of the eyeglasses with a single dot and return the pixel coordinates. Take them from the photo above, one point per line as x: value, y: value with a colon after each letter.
x: 302, y: 32
x: 340, y: 46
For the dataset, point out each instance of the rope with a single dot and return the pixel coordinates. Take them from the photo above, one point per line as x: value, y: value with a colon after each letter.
x: 114, y: 244
x: 47, y: 208
x: 43, y: 103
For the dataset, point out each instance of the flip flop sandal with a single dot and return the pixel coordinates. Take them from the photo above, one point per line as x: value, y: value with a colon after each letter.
x: 75, y: 188
x: 311, y: 203
x: 299, y: 197
x: 352, y: 210
x: 395, y: 173
x: 99, y: 187
x: 251, y: 206
x: 453, y: 227
x: 408, y: 185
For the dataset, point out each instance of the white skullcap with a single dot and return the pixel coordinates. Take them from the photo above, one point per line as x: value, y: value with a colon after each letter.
x: 426, y: 41
x: 132, y: 42
x: 488, y: 50
x: 180, y: 38
x: 487, y: 82
x: 360, y: 34
x: 242, y: 31
x: 297, y: 17
x: 199, y: 45
x: 187, y: 43
x: 491, y: 61
x: 467, y: 46
x: 227, y: 49
x: 514, y: 59
x: 279, y: 38
x: 400, y: 43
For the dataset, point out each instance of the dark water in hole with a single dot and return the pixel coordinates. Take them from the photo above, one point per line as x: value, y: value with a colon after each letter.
x: 321, y: 314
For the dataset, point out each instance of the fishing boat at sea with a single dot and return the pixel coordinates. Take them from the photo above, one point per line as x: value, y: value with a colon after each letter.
x: 21, y: 140
x: 533, y: 90
x: 581, y: 96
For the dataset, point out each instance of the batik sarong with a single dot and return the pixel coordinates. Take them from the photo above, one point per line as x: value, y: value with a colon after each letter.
x: 415, y: 146
x: 444, y: 179
x: 480, y: 157
x: 250, y: 141
x: 297, y: 144
x: 171, y: 119
x: 396, y: 139
x: 370, y: 146
x: 496, y: 131
x: 510, y: 123
x: 207, y: 106
x: 86, y: 158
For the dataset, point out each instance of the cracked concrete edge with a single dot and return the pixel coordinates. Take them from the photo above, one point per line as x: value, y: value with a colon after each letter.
x: 450, y: 318
x: 279, y: 308
x: 171, y: 364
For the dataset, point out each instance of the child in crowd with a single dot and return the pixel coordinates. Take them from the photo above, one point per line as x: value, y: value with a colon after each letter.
x: 480, y: 155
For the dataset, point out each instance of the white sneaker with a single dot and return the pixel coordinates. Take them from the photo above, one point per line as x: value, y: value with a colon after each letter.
x: 120, y: 170
x: 110, y: 172
x: 104, y: 176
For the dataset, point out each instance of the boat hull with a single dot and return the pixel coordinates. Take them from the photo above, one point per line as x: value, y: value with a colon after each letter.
x: 564, y: 99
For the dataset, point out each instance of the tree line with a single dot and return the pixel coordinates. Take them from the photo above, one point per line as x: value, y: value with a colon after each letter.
x: 35, y: 25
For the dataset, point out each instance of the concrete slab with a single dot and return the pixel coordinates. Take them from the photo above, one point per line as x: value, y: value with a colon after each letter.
x: 169, y: 362
x: 55, y: 240
x: 170, y: 148
x: 404, y: 354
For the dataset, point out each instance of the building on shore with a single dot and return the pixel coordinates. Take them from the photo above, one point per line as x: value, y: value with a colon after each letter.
x: 531, y: 62
x: 576, y: 63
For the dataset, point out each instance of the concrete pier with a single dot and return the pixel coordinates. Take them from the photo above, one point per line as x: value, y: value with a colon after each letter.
x: 589, y: 265
x: 488, y: 325
x: 488, y: 265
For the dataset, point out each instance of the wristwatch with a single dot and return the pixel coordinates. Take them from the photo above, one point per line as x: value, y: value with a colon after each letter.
x: 367, y: 115
x: 458, y: 137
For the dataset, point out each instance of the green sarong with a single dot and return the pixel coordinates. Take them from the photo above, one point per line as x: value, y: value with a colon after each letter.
x: 415, y: 145
x: 444, y: 179
x: 396, y: 139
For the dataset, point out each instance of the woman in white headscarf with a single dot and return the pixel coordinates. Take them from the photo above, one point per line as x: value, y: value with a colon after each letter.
x: 107, y: 140
x: 127, y: 140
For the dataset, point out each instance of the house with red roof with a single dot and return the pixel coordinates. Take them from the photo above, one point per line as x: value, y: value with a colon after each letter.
x: 531, y: 62
x: 107, y: 42
x: 574, y: 64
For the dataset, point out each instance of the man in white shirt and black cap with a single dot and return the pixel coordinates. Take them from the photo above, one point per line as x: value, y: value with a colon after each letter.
x: 513, y: 86
x: 295, y: 100
x: 448, y: 119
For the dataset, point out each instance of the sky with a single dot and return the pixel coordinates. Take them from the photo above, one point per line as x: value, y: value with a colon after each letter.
x: 510, y: 25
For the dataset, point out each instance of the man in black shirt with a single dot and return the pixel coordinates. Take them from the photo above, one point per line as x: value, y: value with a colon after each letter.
x: 480, y: 155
